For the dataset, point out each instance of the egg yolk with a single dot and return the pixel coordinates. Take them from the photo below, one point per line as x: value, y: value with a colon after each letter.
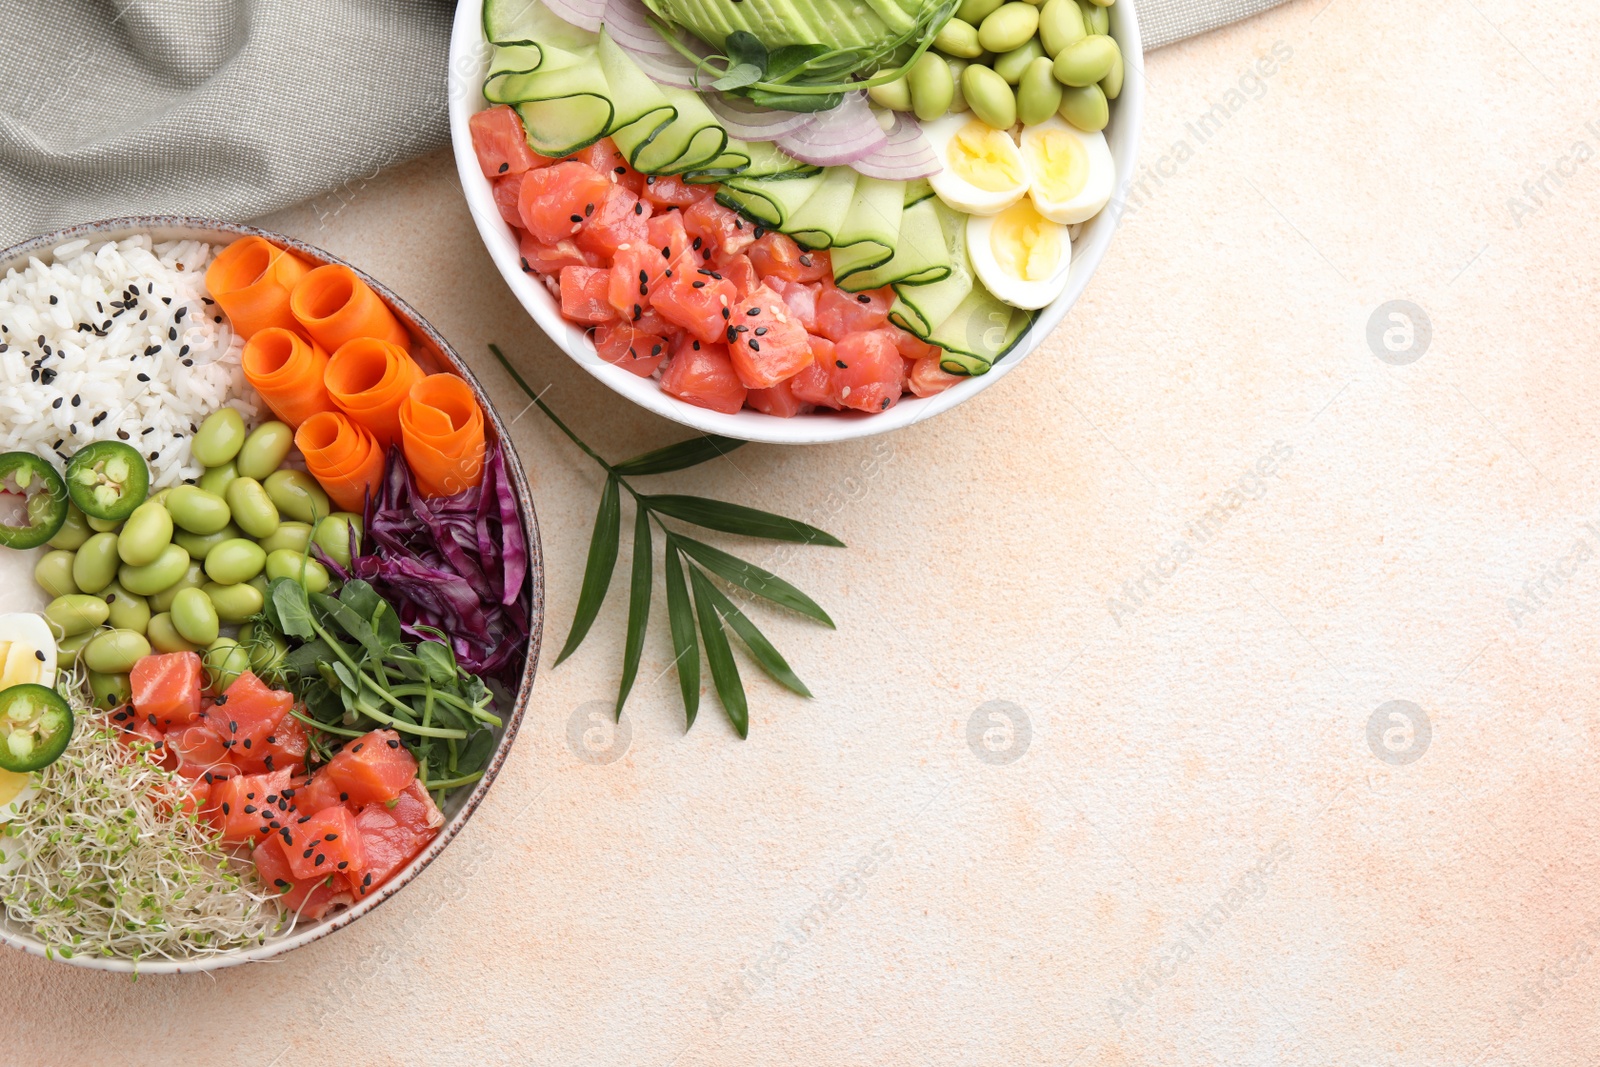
x: 1059, y: 165
x: 984, y: 157
x: 1026, y: 245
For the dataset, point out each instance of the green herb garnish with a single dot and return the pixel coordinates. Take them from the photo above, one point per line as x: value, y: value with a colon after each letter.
x: 710, y: 610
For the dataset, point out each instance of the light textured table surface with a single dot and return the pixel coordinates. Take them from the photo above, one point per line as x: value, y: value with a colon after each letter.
x: 1188, y: 850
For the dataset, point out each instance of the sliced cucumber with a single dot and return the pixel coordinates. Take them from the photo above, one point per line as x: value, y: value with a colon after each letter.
x: 772, y: 202
x: 920, y: 256
x: 919, y: 308
x: 530, y: 22
x: 817, y: 222
x: 918, y: 190
x: 767, y: 160
x: 870, y: 232
x: 979, y: 332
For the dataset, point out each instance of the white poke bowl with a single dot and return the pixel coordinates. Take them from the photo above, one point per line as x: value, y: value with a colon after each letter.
x: 469, y: 62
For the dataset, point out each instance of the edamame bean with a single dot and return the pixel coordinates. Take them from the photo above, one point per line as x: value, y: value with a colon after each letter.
x: 1038, y: 94
x: 194, y: 617
x: 235, y: 603
x: 129, y: 611
x: 198, y: 511
x: 73, y: 533
x: 238, y: 560
x: 958, y: 101
x: 150, y: 579
x: 199, y: 547
x: 1096, y: 19
x: 219, y: 439
x: 266, y: 650
x: 1008, y: 26
x: 958, y: 38
x: 75, y: 613
x: 53, y: 572
x: 253, y: 510
x: 1060, y: 24
x: 990, y: 98
x: 147, y: 531
x: 115, y: 651
x: 265, y: 450
x: 1011, y: 65
x: 103, y: 525
x: 295, y: 536
x: 1087, y: 61
x: 286, y: 564
x: 224, y: 661
x: 1085, y: 108
x: 110, y: 690
x: 932, y: 88
x: 164, y: 636
x: 895, y: 95
x: 68, y: 648
x: 217, y: 479
x: 297, y: 495
x: 194, y: 576
x: 95, y: 565
x: 1111, y: 84
x: 332, y: 535
x: 972, y: 12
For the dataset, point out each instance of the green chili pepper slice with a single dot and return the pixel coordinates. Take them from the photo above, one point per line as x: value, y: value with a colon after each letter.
x: 35, y: 726
x: 107, y: 480
x: 30, y: 491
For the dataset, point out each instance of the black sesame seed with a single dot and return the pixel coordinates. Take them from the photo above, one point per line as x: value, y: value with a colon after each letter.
x: 588, y: 209
x: 224, y: 807
x: 504, y: 167
x: 753, y: 311
x: 319, y: 861
x: 755, y: 346
x: 761, y: 331
x: 695, y: 285
x: 343, y: 864
x: 863, y: 298
x: 53, y: 300
x: 841, y: 364
x: 638, y: 208
x: 577, y: 218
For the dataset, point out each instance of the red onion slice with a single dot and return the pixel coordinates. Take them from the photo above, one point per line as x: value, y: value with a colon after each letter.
x: 905, y: 156
x: 628, y: 23
x: 847, y: 133
x: 584, y: 14
x: 749, y: 122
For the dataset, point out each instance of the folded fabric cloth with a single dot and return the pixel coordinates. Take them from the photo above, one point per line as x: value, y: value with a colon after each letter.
x: 233, y: 108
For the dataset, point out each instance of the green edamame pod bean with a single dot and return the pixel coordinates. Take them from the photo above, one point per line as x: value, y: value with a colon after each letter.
x: 194, y: 576
x: 895, y: 95
x: 150, y: 579
x: 973, y: 12
x: 958, y: 38
x: 932, y: 88
x: 115, y: 651
x: 332, y: 535
x: 266, y: 650
x: 75, y: 613
x: 196, y: 510
x: 68, y: 648
x: 235, y: 603
x: 235, y: 561
x: 260, y: 584
x: 264, y: 450
x: 958, y: 100
x: 110, y: 690
x: 147, y: 531
x: 1085, y: 62
x: 95, y: 565
x: 293, y: 535
x: 194, y: 617
x: 297, y: 495
x: 224, y: 661
x: 219, y: 438
x: 1038, y: 94
x: 253, y: 511
x: 990, y: 98
x: 217, y: 479
x: 286, y: 564
x: 1008, y: 26
x: 1111, y: 84
x: 1060, y: 24
x: 1011, y: 65
x: 1096, y: 19
x: 129, y: 611
x: 102, y: 525
x: 53, y: 572
x: 73, y: 533
x: 200, y: 547
x: 1085, y: 108
x: 164, y: 636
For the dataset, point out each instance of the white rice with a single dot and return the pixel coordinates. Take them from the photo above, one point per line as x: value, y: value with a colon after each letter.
x: 131, y: 349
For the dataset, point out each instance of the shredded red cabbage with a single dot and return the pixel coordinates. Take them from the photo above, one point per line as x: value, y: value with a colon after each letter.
x: 458, y: 564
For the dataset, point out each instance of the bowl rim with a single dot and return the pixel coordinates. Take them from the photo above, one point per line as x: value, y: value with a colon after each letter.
x: 177, y: 227
x: 469, y: 54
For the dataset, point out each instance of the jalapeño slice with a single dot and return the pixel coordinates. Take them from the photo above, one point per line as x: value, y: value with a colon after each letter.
x: 33, y: 500
x: 107, y: 480
x: 35, y: 726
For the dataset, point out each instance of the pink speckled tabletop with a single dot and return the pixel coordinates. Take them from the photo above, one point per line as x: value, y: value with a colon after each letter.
x: 1216, y: 689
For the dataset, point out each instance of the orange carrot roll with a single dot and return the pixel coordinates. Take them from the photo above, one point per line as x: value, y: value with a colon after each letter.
x: 288, y: 371
x: 252, y: 280
x: 336, y: 307
x: 343, y: 457
x: 442, y: 434
x: 368, y: 380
